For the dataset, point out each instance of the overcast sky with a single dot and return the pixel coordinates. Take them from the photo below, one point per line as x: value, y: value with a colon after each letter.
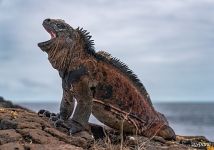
x: 168, y: 44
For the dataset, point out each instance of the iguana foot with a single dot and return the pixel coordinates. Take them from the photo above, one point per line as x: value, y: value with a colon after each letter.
x: 167, y: 133
x: 71, y: 125
x: 55, y: 118
x: 74, y: 127
x: 44, y: 113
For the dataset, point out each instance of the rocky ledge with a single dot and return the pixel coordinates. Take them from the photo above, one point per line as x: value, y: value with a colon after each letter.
x: 22, y: 129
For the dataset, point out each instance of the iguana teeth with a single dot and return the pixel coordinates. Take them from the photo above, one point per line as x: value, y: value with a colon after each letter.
x: 53, y: 35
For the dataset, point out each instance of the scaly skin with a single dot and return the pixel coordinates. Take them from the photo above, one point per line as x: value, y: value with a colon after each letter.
x: 101, y: 84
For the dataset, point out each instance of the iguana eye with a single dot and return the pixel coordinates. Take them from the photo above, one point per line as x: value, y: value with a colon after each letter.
x: 60, y: 26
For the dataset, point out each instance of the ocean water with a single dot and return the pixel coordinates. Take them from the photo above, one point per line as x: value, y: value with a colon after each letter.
x: 185, y: 118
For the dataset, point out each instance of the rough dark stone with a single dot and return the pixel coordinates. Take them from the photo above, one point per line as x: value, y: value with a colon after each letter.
x: 12, y: 146
x: 9, y: 135
x: 7, y: 124
x: 25, y: 130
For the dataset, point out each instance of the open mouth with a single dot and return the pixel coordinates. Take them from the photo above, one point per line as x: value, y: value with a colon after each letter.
x: 52, y: 34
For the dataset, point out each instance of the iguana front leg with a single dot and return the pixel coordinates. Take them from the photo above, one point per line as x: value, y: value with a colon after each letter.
x: 84, y: 105
x: 80, y: 118
x: 82, y: 112
x: 67, y: 104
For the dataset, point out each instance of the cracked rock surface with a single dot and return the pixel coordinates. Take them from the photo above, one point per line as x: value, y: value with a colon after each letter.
x: 22, y: 129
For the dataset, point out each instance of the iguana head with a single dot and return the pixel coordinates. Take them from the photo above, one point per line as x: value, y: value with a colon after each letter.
x: 64, y: 42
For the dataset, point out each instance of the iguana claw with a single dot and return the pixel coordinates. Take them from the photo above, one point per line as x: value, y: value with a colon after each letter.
x: 58, y: 123
x: 54, y: 117
x: 73, y: 130
x: 44, y: 113
x: 74, y: 127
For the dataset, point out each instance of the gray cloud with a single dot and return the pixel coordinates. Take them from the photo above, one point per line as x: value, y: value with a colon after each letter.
x: 168, y: 45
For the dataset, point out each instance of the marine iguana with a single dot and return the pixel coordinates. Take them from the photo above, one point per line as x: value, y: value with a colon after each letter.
x: 101, y: 84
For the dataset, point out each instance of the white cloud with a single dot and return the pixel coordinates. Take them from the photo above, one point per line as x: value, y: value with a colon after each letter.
x: 159, y: 40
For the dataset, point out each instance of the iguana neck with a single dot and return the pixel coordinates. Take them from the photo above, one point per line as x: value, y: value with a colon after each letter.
x: 67, y: 57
